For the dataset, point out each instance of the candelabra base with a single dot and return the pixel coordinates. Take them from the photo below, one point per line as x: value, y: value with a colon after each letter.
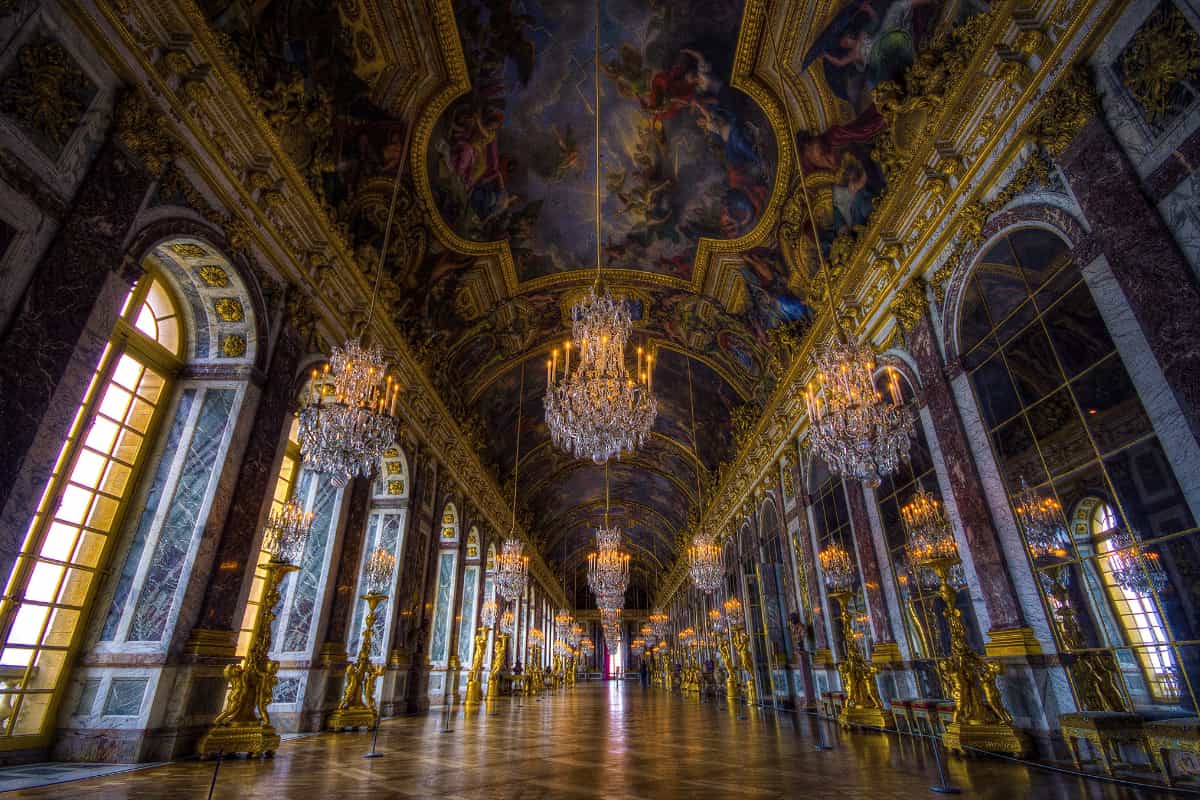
x: 474, y: 693
x: 865, y: 718
x: 350, y: 718
x: 253, y: 738
x: 995, y: 737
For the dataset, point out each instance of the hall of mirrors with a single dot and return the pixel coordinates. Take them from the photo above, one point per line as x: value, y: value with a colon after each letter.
x: 825, y: 362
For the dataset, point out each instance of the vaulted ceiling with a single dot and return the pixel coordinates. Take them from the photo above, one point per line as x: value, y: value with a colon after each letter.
x: 495, y: 236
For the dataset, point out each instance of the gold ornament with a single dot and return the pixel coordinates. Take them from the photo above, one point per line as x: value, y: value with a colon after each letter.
x: 493, y: 684
x: 357, y: 708
x: 244, y: 726
x: 229, y: 309
x: 863, y: 704
x: 1163, y: 54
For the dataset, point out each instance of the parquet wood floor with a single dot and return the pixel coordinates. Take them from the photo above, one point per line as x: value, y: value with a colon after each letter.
x: 601, y: 741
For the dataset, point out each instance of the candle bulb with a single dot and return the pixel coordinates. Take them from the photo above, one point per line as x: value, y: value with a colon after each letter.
x: 567, y: 357
x: 549, y: 364
x: 554, y: 362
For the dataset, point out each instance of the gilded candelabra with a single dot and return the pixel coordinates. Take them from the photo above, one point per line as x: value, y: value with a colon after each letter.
x: 244, y: 726
x: 863, y: 705
x: 980, y: 719
x: 475, y: 673
x: 493, y: 684
x: 357, y: 708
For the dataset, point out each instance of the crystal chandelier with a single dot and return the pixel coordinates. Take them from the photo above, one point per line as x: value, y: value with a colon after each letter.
x: 1041, y: 520
x: 576, y: 636
x: 733, y: 612
x: 647, y: 634
x: 562, y: 623
x: 837, y: 567
x: 512, y: 565
x: 1135, y: 570
x: 637, y: 646
x: 931, y: 540
x: 855, y: 431
x: 658, y: 624
x: 599, y: 410
x: 512, y: 569
x: 704, y: 564
x: 610, y: 616
x: 487, y: 616
x: 287, y: 533
x: 507, y: 622
x: 378, y: 572
x: 348, y: 417
x: 608, y: 567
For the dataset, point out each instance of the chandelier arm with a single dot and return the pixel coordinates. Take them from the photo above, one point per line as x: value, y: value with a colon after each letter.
x: 387, y: 228
x: 812, y: 220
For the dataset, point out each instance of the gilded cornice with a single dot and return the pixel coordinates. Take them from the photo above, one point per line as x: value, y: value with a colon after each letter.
x: 984, y: 121
x: 184, y: 69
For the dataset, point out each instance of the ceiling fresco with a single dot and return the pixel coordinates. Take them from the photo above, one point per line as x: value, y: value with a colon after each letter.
x: 497, y: 218
x: 683, y: 155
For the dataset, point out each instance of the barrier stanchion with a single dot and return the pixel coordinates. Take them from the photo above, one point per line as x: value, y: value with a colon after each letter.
x: 216, y: 768
x: 373, y: 753
x: 942, y: 787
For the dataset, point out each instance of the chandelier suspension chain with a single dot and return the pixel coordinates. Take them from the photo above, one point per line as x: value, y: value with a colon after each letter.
x: 812, y: 219
x: 387, y: 228
x: 596, y: 123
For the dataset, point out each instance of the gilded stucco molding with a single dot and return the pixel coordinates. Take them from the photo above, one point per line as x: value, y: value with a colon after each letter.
x: 224, y: 128
x: 983, y: 118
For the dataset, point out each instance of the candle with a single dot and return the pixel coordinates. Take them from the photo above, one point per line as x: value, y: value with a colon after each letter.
x: 650, y: 372
x: 639, y: 361
x: 554, y: 362
x: 567, y: 358
x: 549, y: 366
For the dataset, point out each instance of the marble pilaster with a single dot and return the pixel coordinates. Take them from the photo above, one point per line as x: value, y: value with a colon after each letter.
x: 868, y: 562
x: 50, y: 351
x: 971, y: 505
x: 1144, y: 257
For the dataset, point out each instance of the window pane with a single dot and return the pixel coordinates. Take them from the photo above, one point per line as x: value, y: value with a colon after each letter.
x: 1038, y: 252
x: 1148, y: 493
x: 1078, y: 332
x: 997, y: 398
x: 1017, y: 456
x: 1031, y: 361
x: 1059, y: 432
x: 1111, y: 406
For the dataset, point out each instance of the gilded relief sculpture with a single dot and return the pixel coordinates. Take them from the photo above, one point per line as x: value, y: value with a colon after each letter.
x: 244, y: 725
x: 357, y: 708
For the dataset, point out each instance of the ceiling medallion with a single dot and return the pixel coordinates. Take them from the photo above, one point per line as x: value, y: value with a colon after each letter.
x: 348, y: 416
x: 599, y: 410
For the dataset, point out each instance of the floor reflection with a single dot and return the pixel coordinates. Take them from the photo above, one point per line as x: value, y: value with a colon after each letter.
x: 607, y: 740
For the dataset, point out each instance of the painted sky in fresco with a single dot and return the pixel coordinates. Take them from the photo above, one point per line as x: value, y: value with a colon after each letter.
x: 683, y: 154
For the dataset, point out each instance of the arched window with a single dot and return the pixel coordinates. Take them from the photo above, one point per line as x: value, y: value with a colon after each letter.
x: 921, y: 608
x: 1140, y: 621
x: 385, y: 529
x: 831, y: 515
x: 466, y: 626
x: 70, y: 538
x: 1067, y: 425
x: 443, y: 603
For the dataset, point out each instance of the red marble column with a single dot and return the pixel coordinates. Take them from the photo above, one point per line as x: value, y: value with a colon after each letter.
x: 344, y: 592
x: 980, y: 532
x: 49, y: 352
x: 236, y: 550
x: 856, y: 502
x: 1145, y: 258
x: 808, y: 563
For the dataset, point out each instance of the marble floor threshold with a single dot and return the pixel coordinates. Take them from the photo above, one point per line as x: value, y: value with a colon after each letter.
x: 612, y: 741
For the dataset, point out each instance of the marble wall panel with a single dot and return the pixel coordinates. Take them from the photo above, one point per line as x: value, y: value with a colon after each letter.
x: 183, y: 519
